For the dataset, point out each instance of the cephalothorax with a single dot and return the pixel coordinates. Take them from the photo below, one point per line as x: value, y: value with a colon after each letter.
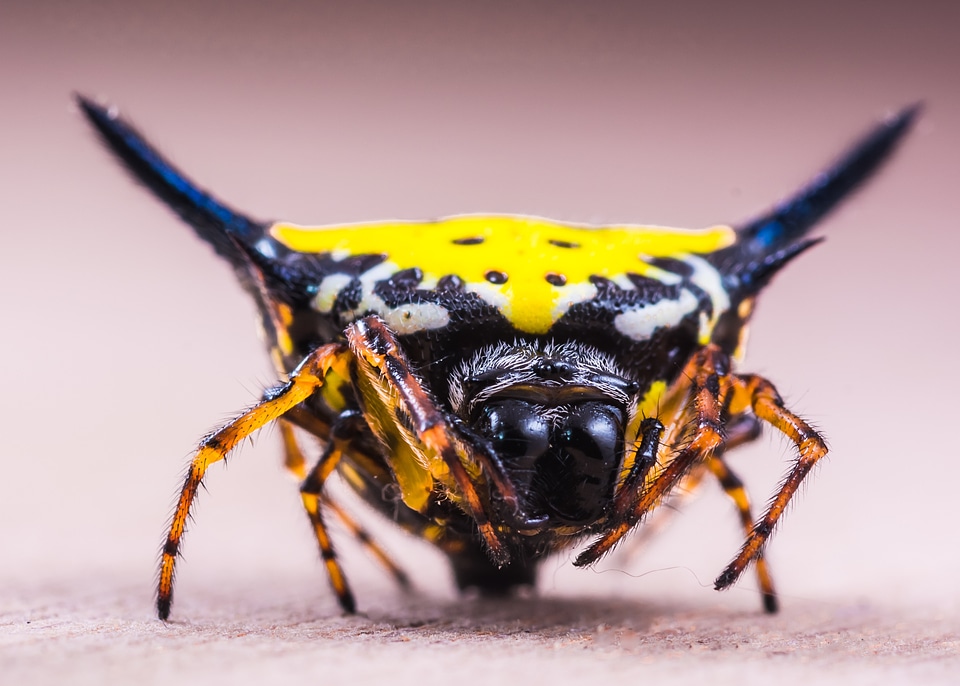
x: 519, y: 383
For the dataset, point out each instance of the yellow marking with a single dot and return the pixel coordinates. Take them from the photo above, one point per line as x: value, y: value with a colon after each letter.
x: 279, y: 363
x: 744, y: 310
x: 283, y: 334
x: 433, y: 533
x: 332, y: 391
x: 413, y: 469
x: 519, y: 247
x: 650, y: 406
x: 739, y: 496
x: 741, y: 349
x: 352, y: 476
x: 293, y: 456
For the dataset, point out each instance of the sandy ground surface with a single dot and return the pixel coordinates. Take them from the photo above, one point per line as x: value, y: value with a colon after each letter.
x: 106, y: 637
x: 125, y: 340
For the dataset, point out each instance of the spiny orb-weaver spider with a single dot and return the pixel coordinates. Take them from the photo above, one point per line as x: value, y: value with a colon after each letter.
x: 521, y: 383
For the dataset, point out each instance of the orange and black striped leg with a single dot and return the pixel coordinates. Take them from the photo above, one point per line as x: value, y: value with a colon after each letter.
x: 374, y: 549
x: 674, y: 416
x: 705, y: 371
x: 760, y: 395
x: 658, y: 520
x: 381, y: 360
x: 296, y: 463
x: 739, y: 430
x: 311, y: 492
x: 304, y: 382
x: 733, y: 487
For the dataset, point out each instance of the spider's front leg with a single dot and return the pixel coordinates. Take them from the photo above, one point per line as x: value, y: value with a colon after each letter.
x: 316, y: 499
x: 717, y: 394
x: 704, y: 373
x: 379, y: 356
x: 738, y: 430
x: 304, y: 382
x: 734, y: 488
x: 760, y: 396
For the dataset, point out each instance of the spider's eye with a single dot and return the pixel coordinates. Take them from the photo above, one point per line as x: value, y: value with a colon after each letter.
x: 565, y: 464
x: 579, y: 472
x: 519, y: 434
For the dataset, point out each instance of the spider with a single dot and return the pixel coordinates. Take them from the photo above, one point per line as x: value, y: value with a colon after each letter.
x: 522, y: 384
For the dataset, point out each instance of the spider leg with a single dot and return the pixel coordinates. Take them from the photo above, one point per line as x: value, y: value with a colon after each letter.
x: 311, y: 492
x: 645, y: 458
x: 276, y: 317
x: 379, y: 355
x: 315, y: 499
x: 733, y: 487
x: 658, y: 520
x: 304, y: 382
x: 373, y: 548
x: 705, y: 370
x: 311, y: 487
x: 743, y: 428
x: 293, y: 457
x: 296, y: 463
x: 653, y: 435
x: 739, y: 430
x: 760, y: 395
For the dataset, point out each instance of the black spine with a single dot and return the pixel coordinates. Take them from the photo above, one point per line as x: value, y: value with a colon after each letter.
x: 768, y: 242
x: 795, y: 216
x: 215, y: 222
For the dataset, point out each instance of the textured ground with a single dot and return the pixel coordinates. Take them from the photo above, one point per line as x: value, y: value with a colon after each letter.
x: 106, y: 637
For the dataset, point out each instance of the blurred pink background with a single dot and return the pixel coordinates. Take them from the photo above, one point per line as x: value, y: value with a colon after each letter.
x: 126, y: 339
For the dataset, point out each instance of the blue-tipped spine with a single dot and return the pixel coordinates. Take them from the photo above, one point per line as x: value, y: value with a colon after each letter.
x: 218, y: 224
x: 766, y: 243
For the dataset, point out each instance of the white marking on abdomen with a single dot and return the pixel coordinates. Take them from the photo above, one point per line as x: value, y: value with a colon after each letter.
x: 414, y: 317
x: 639, y: 324
x: 492, y: 295
x: 572, y: 294
x: 404, y: 319
x: 708, y: 278
x: 329, y: 289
